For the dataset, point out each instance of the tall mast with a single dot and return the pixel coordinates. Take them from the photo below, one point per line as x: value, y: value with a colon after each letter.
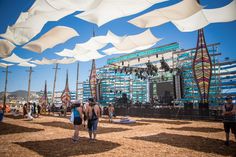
x: 77, y: 82
x: 54, y: 83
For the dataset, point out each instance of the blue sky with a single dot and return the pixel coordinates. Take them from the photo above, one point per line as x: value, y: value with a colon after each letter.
x: 225, y: 33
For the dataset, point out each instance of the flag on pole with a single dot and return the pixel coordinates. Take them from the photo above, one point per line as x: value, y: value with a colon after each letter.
x: 65, y: 96
x: 93, y: 81
x: 44, y: 98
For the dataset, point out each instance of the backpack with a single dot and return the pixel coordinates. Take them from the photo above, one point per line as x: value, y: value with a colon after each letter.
x: 94, y: 116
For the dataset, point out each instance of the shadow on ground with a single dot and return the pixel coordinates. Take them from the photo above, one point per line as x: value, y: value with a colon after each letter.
x: 65, y: 147
x: 64, y: 125
x: 198, y: 129
x: 6, y: 129
x: 196, y: 143
x: 164, y: 121
x: 128, y: 124
x: 13, y: 117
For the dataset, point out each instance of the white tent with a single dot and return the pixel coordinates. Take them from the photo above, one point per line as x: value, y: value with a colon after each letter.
x: 31, y: 23
x: 207, y: 16
x: 4, y: 65
x: 158, y: 17
x: 108, y: 10
x: 15, y: 59
x: 66, y: 61
x: 6, y: 48
x: 53, y: 37
x: 186, y: 20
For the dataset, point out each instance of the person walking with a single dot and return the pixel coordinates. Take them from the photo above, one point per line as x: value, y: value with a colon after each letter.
x: 93, y: 117
x: 229, y: 118
x: 111, y: 110
x: 78, y: 116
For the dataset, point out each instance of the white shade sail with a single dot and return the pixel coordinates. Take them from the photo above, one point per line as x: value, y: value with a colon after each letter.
x: 207, y: 16
x: 117, y: 8
x: 194, y: 20
x: 66, y: 61
x: 31, y: 23
x: 158, y: 17
x: 46, y: 61
x: 4, y: 65
x: 66, y: 53
x: 15, y: 59
x: 6, y: 48
x: 137, y: 41
x: 26, y: 64
x: 113, y: 50
x: 88, y: 55
x: 53, y: 37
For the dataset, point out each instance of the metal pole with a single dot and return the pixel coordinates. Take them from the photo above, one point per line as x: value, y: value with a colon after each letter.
x: 54, y: 83
x: 30, y: 73
x: 77, y: 82
x: 5, y: 90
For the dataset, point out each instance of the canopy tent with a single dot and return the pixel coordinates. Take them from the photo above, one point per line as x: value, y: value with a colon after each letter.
x: 4, y: 65
x: 6, y: 48
x: 31, y: 23
x: 187, y: 20
x: 119, y: 8
x: 15, y: 59
x: 53, y: 37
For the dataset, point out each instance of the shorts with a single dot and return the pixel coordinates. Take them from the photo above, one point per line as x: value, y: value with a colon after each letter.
x: 92, y: 125
x: 110, y: 115
x: 230, y: 125
x: 77, y: 121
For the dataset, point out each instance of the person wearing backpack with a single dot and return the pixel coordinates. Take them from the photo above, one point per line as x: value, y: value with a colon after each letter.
x: 78, y: 116
x: 229, y: 118
x: 93, y: 117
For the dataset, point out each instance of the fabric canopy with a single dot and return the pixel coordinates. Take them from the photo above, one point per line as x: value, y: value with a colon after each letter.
x: 137, y: 41
x: 113, y: 50
x: 187, y: 20
x: 88, y: 55
x: 207, y: 16
x: 116, y: 8
x: 15, y: 59
x: 158, y: 17
x: 55, y: 36
x: 46, y: 61
x: 26, y: 64
x: 31, y: 23
x: 5, y: 65
x: 6, y: 48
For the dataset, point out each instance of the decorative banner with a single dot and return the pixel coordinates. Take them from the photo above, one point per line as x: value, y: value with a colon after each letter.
x: 93, y: 81
x: 65, y: 96
x: 202, y: 68
x: 44, y: 98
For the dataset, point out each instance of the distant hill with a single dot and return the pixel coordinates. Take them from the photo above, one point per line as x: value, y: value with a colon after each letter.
x: 18, y: 93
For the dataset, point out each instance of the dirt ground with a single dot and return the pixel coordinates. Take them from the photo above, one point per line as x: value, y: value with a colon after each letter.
x: 51, y: 136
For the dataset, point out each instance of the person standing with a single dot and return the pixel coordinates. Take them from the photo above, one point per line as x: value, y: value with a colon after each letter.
x: 229, y: 118
x: 78, y: 116
x: 39, y: 109
x: 24, y: 110
x: 1, y: 113
x: 93, y: 117
x: 111, y: 110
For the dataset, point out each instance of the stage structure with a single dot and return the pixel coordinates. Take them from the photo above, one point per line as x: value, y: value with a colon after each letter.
x: 65, y: 96
x: 93, y: 81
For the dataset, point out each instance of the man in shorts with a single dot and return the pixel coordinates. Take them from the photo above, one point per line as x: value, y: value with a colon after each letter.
x: 229, y: 118
x: 93, y: 117
x: 110, y: 112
